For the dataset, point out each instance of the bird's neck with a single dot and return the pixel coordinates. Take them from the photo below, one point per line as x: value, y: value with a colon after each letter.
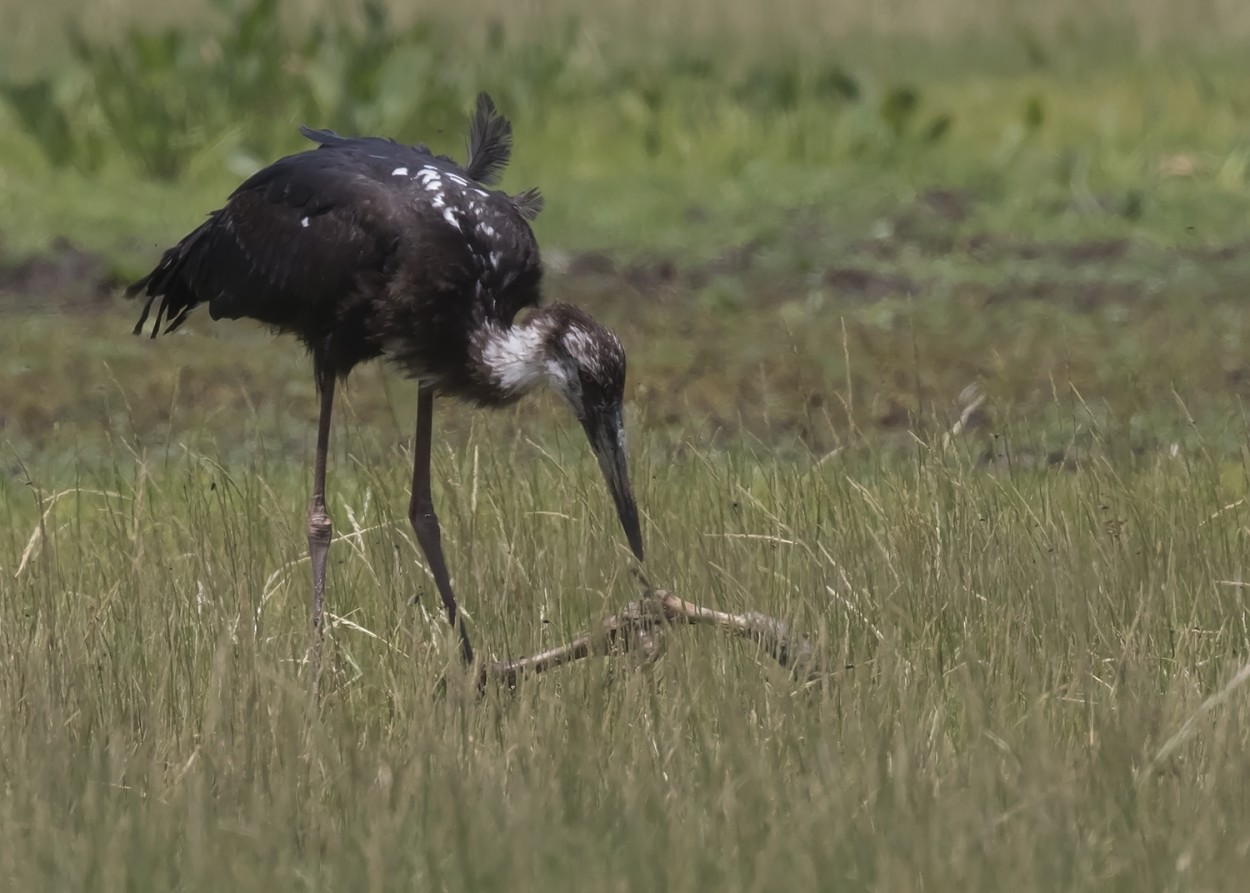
x: 516, y: 359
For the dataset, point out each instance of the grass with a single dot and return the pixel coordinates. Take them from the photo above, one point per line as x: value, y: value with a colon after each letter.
x: 1018, y: 648
x: 1035, y: 636
x: 683, y: 147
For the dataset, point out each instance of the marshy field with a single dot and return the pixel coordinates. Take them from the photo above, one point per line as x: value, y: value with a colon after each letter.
x: 939, y: 352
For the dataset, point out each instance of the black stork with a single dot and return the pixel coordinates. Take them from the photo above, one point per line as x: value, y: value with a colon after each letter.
x: 365, y: 248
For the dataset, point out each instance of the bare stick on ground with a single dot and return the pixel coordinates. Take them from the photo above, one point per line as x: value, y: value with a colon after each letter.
x: 642, y: 623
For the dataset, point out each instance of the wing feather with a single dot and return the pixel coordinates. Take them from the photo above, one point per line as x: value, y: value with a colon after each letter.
x: 291, y: 241
x: 311, y: 232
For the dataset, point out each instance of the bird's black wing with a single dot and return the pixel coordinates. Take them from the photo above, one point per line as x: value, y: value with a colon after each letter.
x: 489, y: 149
x: 374, y: 146
x: 291, y: 241
x: 300, y: 240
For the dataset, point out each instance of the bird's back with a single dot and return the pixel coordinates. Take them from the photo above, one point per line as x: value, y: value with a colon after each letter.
x: 362, y: 245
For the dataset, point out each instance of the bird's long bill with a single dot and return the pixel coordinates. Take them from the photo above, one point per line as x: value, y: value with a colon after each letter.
x: 607, y: 438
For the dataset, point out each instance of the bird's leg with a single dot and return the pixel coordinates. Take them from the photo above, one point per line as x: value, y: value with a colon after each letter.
x: 319, y: 527
x: 425, y: 522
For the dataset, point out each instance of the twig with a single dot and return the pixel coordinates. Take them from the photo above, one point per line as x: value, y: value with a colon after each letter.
x: 641, y: 625
x: 972, y: 398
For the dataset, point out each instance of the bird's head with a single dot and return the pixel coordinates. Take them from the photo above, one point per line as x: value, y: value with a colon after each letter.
x: 586, y: 366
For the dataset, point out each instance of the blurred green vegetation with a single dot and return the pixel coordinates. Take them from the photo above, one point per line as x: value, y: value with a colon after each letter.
x: 680, y: 144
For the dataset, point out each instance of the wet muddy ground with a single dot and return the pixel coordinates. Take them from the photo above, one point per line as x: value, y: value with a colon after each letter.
x: 808, y: 336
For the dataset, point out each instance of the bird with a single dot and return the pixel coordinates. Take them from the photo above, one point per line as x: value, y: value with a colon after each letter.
x: 367, y: 248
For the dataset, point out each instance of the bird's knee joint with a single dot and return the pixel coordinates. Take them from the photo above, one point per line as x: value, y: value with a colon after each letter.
x: 320, y: 527
x: 423, y: 518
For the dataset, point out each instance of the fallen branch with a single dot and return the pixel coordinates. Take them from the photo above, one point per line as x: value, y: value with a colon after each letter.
x: 641, y: 625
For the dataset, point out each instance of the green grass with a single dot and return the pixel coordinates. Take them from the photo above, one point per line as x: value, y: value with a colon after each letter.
x: 1034, y: 636
x: 681, y: 147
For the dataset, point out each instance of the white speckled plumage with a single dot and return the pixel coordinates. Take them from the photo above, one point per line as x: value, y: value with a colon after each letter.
x: 517, y: 356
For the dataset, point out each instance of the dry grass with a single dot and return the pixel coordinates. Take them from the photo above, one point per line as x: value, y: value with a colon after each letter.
x: 1027, y: 659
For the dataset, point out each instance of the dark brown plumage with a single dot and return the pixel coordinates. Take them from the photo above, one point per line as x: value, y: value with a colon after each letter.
x: 365, y: 248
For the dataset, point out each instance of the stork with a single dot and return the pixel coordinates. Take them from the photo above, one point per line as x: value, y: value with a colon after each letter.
x: 366, y: 248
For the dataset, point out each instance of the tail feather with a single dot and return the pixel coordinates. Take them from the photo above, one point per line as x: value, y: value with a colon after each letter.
x: 169, y: 283
x: 490, y: 142
x: 136, y: 288
x: 156, y: 284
